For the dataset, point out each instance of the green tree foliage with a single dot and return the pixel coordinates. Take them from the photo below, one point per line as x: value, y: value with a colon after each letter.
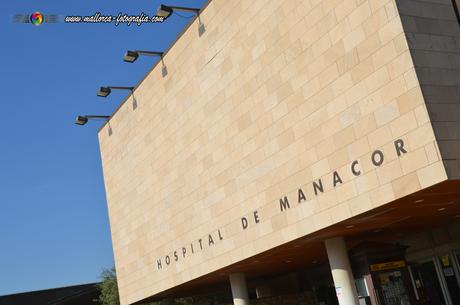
x: 108, y: 288
x: 109, y: 294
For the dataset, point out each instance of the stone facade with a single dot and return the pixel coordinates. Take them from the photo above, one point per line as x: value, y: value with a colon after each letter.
x: 433, y: 34
x: 275, y: 96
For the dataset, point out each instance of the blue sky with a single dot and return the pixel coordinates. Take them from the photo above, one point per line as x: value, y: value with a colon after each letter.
x: 54, y: 227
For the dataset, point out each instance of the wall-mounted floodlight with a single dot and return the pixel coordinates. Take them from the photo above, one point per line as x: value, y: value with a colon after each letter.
x: 166, y: 10
x: 83, y: 119
x: 105, y: 91
x: 131, y: 56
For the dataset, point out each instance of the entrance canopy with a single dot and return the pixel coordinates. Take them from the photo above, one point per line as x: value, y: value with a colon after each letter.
x: 436, y: 206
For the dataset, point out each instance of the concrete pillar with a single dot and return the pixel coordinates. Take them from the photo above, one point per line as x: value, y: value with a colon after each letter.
x: 341, y: 271
x: 239, y: 289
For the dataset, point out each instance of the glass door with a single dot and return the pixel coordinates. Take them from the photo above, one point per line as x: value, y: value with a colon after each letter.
x: 436, y: 281
x: 426, y: 283
x: 449, y: 275
x: 393, y: 289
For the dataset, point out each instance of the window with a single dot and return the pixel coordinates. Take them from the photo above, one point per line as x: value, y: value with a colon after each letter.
x: 361, y: 287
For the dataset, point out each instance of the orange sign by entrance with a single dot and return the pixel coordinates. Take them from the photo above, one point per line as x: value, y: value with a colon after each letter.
x: 387, y: 266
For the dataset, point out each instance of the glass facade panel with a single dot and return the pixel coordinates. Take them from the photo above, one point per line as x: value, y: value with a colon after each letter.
x: 448, y: 272
x: 427, y: 284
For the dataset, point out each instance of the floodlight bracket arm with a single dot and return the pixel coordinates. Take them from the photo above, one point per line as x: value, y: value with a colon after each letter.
x: 97, y: 116
x: 185, y: 9
x: 150, y: 53
x: 121, y: 88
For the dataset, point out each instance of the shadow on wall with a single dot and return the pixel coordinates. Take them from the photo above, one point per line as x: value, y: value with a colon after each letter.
x: 432, y: 30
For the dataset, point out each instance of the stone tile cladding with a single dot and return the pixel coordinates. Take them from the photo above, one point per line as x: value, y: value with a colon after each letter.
x: 433, y: 34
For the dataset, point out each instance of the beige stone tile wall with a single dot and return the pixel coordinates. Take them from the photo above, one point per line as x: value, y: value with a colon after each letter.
x: 433, y: 34
x: 272, y: 97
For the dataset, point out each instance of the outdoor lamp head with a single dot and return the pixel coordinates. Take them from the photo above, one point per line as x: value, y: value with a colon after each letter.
x: 103, y: 91
x: 81, y: 120
x: 131, y: 56
x: 164, y: 11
